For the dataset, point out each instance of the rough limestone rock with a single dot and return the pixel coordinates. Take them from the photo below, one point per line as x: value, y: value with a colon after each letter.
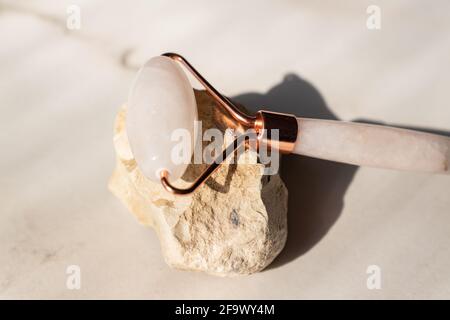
x: 236, y: 223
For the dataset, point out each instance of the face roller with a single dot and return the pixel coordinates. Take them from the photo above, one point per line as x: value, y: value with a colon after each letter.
x: 162, y: 99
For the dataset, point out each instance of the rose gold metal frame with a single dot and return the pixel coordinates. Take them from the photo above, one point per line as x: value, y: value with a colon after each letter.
x: 205, y: 174
x: 263, y: 122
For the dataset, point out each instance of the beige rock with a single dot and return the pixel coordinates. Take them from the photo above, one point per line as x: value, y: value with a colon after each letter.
x: 234, y: 224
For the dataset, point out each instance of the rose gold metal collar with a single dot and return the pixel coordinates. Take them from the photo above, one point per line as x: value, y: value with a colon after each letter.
x: 262, y: 123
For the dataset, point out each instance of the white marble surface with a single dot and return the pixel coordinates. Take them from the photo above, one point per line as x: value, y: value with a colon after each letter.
x: 60, y: 91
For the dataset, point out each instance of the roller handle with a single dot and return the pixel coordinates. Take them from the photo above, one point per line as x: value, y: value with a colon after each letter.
x: 373, y: 145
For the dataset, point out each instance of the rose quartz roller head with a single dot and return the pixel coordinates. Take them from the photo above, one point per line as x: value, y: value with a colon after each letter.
x: 162, y: 100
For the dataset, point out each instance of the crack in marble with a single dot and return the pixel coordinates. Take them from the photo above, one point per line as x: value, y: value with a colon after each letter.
x: 121, y: 59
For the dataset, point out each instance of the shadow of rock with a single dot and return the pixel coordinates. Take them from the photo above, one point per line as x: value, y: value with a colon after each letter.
x: 316, y: 187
